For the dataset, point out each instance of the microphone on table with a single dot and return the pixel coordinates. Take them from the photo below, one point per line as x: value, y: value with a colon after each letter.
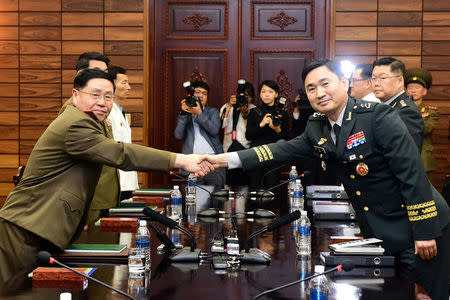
x: 45, y: 257
x: 260, y: 194
x: 162, y: 236
x: 347, y: 265
x: 185, y: 254
x: 255, y: 255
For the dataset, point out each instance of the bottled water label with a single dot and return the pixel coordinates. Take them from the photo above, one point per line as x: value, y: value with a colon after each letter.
x: 298, y: 194
x: 176, y: 201
x: 315, y: 294
x: 304, y: 230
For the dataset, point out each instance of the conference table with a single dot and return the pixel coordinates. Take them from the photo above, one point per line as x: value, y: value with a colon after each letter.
x: 192, y: 280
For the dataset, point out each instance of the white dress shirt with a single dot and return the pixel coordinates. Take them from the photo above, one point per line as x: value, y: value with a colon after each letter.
x: 122, y: 133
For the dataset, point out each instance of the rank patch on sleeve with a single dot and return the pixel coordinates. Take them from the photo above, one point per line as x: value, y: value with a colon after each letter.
x: 269, y: 152
x: 355, y: 140
x: 260, y: 158
x: 422, y: 211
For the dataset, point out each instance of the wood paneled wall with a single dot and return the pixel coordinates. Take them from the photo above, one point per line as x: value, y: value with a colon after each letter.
x: 415, y: 31
x: 39, y: 44
x: 40, y: 40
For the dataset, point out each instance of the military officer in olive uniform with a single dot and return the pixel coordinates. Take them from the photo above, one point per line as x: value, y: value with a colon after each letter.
x: 388, y: 83
x: 417, y: 82
x: 368, y: 148
x: 107, y: 192
x: 48, y: 208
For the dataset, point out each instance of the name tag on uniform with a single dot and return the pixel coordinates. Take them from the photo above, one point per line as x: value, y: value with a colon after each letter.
x: 355, y: 140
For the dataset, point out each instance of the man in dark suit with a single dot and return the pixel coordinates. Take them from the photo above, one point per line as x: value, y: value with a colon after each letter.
x: 48, y: 208
x: 389, y: 87
x: 198, y: 127
x: 368, y: 148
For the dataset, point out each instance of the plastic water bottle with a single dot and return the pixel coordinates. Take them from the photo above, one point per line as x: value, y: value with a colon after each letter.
x: 303, y: 266
x: 143, y: 241
x: 318, y: 287
x: 303, y: 236
x: 191, y: 190
x: 298, y: 201
x: 192, y: 182
x: 176, y: 203
x: 292, y: 177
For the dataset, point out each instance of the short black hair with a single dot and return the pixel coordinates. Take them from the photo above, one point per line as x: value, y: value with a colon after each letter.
x: 333, y: 65
x: 200, y: 84
x: 84, y: 76
x: 84, y: 58
x: 366, y: 70
x: 114, y: 70
x: 270, y: 83
x: 395, y: 64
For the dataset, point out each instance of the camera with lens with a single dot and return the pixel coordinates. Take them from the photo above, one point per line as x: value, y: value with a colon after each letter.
x: 191, y: 100
x: 241, y: 97
x: 302, y: 102
x: 277, y: 113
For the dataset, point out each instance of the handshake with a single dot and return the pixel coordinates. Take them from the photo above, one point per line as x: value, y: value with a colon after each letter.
x: 200, y: 165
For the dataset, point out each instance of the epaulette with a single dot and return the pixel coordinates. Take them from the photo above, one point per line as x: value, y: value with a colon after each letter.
x: 431, y: 107
x: 317, y: 116
x: 363, y: 106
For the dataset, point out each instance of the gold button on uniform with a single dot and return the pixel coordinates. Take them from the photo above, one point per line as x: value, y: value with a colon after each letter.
x: 321, y: 155
x: 352, y: 176
x: 360, y: 156
x: 403, y: 205
x: 366, y: 208
x: 355, y: 107
x: 358, y: 193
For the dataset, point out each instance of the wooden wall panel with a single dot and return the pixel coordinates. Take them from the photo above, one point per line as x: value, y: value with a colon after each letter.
x: 39, y: 44
x: 414, y: 31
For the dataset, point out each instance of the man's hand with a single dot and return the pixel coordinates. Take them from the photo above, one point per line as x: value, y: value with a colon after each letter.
x: 244, y: 110
x: 425, y: 249
x: 217, y: 161
x: 193, y: 164
x: 197, y: 109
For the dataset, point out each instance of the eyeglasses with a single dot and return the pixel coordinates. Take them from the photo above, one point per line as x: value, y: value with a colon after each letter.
x: 355, y: 80
x: 383, y: 78
x: 198, y: 92
x: 96, y: 96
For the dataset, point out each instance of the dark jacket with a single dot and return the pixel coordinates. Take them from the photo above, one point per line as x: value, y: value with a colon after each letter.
x: 394, y: 201
x: 260, y: 136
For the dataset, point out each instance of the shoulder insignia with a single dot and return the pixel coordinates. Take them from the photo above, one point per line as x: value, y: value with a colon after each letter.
x: 318, y: 115
x: 403, y: 103
x: 422, y: 110
x: 363, y: 106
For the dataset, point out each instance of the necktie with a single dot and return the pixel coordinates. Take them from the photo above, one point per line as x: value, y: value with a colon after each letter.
x: 336, y: 129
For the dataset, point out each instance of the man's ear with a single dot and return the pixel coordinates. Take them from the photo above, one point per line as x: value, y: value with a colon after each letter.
x: 74, y: 96
x: 345, y: 82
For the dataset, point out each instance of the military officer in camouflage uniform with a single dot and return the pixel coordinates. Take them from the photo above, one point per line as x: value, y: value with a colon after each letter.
x: 417, y: 82
x: 376, y: 159
x: 388, y: 84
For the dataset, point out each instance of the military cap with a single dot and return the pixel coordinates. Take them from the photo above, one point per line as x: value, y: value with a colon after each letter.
x: 418, y: 75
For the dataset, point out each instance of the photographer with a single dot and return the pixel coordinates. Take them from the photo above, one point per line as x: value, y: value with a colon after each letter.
x: 198, y: 126
x: 234, y: 116
x: 266, y: 123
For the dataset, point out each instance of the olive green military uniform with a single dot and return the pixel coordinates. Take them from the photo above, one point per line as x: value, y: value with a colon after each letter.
x: 379, y: 164
x: 430, y: 117
x: 107, y: 192
x: 51, y: 201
